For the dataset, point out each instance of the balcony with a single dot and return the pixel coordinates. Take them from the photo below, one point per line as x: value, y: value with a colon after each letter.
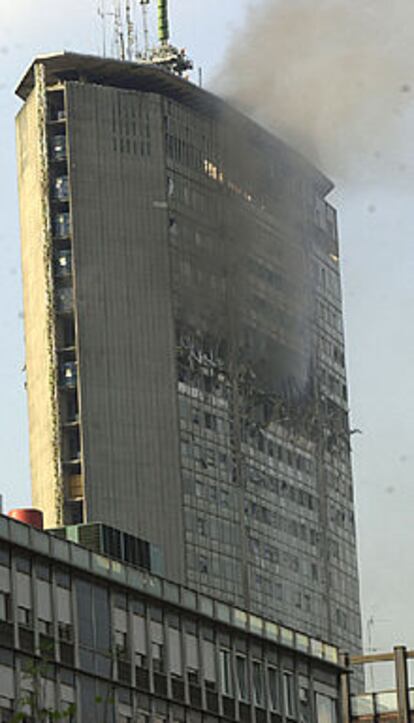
x: 61, y: 189
x: 58, y: 148
x: 61, y: 225
x: 64, y: 300
x: 75, y: 487
x: 69, y: 375
x: 63, y: 264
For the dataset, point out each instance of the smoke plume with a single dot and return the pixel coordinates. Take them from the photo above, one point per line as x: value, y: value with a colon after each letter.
x: 335, y: 78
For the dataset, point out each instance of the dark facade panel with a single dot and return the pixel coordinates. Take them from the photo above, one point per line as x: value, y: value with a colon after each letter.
x: 124, y: 320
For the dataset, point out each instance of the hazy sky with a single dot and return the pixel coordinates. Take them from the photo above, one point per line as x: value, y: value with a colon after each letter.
x: 376, y: 213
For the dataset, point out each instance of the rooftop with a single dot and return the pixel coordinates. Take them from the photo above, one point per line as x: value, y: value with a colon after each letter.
x: 65, y: 66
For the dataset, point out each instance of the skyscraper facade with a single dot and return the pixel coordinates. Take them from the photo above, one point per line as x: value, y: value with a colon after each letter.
x: 184, y: 340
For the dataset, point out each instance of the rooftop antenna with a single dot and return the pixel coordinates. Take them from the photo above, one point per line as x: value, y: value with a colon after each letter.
x: 119, y: 37
x: 165, y: 54
x: 102, y: 15
x: 163, y: 23
x: 144, y: 7
x: 130, y: 32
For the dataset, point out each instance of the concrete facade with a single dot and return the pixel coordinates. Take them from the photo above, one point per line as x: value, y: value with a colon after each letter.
x: 199, y: 344
x: 40, y: 353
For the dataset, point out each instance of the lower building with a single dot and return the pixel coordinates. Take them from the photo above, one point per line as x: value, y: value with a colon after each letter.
x: 98, y: 639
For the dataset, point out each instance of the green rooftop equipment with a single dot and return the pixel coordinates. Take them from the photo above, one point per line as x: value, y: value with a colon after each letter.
x: 163, y: 25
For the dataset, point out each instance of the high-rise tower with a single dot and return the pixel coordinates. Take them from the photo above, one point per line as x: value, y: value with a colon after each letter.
x: 185, y: 351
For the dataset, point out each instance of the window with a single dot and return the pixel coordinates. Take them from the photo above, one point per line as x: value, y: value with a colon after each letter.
x: 273, y: 678
x: 242, y: 677
x: 63, y: 263
x: 7, y: 690
x: 64, y: 610
x: 4, y: 556
x: 191, y: 654
x: 325, y: 709
x: 203, y: 565
x: 210, y: 421
x: 258, y: 683
x: 5, y: 610
x: 24, y: 617
x: 157, y: 655
x: 289, y: 694
x: 62, y: 579
x: 93, y: 616
x: 24, y: 599
x: 140, y: 641
x: 62, y: 188
x: 209, y: 660
x: 44, y: 604
x: 174, y: 649
x: 58, y: 148
x: 64, y: 299
x: 157, y: 643
x: 23, y: 564
x: 45, y: 627
x: 225, y: 672
x: 65, y: 632
x: 69, y: 374
x: 120, y: 641
x: 142, y: 717
x: 62, y: 225
x: 304, y: 712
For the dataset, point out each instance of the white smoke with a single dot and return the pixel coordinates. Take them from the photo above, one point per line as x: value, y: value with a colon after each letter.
x: 335, y: 78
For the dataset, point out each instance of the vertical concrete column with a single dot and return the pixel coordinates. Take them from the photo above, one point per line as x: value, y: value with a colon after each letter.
x: 344, y: 689
x: 401, y: 679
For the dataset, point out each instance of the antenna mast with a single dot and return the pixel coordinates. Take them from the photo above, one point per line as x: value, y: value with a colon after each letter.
x: 125, y: 44
x: 102, y: 15
x: 119, y: 38
x: 144, y: 7
x: 165, y: 54
x: 130, y: 32
x: 163, y: 23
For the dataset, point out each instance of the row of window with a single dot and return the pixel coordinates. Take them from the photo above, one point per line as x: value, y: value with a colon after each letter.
x: 329, y: 315
x: 253, y: 680
x: 208, y: 420
x: 332, y: 351
x: 282, y: 488
x: 284, y: 523
x: 333, y: 384
x: 146, y: 633
x: 264, y: 181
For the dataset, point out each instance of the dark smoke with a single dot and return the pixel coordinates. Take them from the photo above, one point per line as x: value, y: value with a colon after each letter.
x: 335, y: 78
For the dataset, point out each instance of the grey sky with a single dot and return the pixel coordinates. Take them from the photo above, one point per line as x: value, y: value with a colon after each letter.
x: 377, y: 231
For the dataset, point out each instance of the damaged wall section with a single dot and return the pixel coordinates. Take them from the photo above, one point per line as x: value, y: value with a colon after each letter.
x: 261, y: 377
